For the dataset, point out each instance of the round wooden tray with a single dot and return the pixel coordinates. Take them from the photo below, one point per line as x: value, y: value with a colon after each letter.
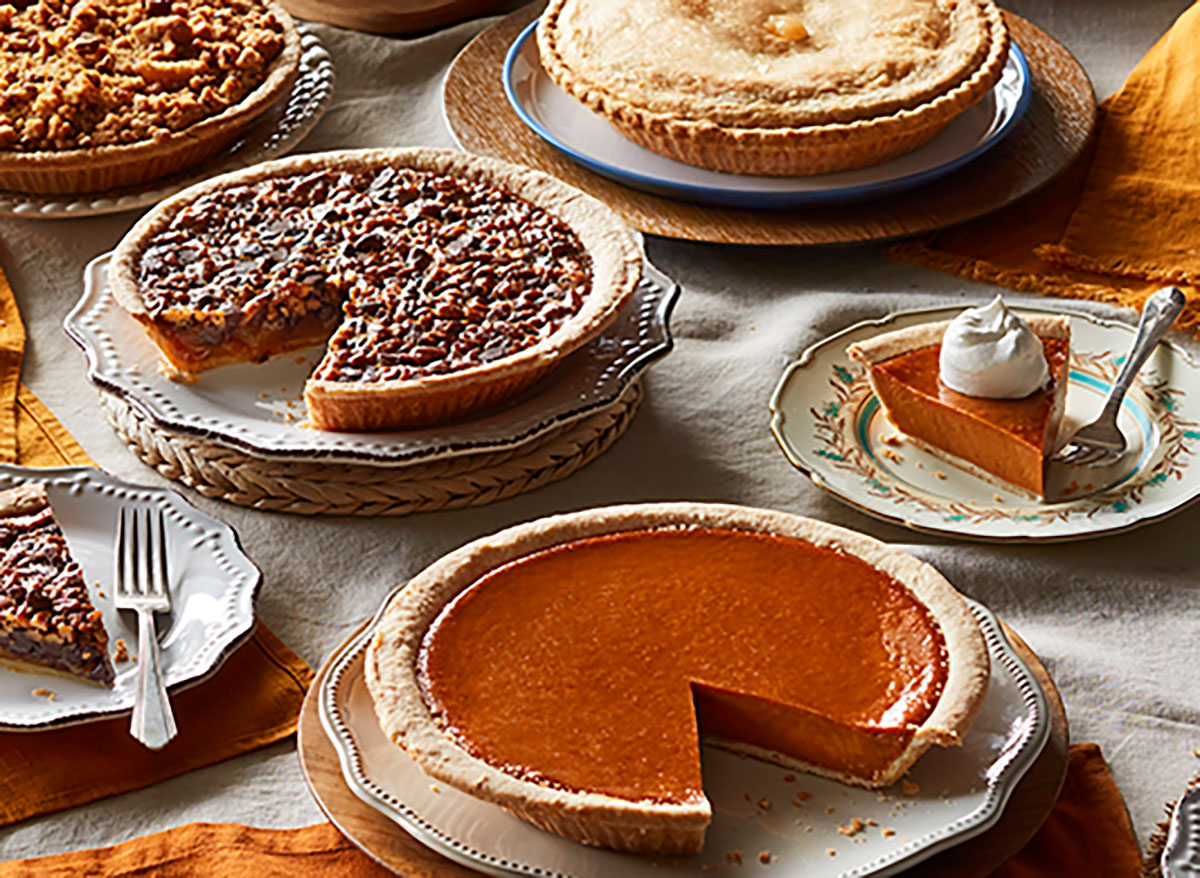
x: 388, y: 844
x: 390, y: 16
x: 1055, y: 129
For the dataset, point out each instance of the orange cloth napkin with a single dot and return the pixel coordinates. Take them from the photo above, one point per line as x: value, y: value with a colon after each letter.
x: 1124, y: 220
x: 1087, y: 835
x: 254, y: 699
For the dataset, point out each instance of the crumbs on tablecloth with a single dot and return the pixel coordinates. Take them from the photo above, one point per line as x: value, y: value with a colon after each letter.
x: 435, y: 788
x: 733, y: 857
x: 121, y: 651
x: 764, y: 803
x: 764, y: 857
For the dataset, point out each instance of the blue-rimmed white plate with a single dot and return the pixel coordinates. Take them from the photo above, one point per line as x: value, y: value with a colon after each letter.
x: 830, y: 425
x: 588, y: 139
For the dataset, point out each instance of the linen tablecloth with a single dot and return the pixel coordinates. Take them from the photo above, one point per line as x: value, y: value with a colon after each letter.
x: 1115, y: 620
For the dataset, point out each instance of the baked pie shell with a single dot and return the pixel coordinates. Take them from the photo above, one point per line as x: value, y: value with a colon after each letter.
x: 96, y: 169
x: 784, y: 151
x: 373, y: 405
x: 594, y: 818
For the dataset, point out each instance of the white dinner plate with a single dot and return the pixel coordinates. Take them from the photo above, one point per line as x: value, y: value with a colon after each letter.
x: 280, y: 128
x: 213, y: 588
x: 590, y: 140
x: 960, y: 792
x: 830, y: 425
x: 259, y: 408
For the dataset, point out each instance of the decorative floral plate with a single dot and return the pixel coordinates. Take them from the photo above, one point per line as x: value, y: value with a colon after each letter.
x: 588, y: 138
x: 830, y: 425
x: 259, y: 408
x: 281, y: 127
x: 959, y: 792
x: 213, y: 588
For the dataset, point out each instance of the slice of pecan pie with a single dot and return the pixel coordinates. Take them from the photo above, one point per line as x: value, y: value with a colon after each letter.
x: 445, y: 283
x: 48, y: 623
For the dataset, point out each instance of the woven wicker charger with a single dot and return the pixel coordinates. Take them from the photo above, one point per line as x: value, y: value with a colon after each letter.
x: 316, y: 488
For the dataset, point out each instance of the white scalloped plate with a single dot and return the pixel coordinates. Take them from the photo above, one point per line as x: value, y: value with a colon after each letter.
x: 962, y: 792
x: 213, y: 588
x: 830, y: 426
x: 280, y: 128
x: 257, y: 407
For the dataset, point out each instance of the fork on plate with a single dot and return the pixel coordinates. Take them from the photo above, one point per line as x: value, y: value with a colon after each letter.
x: 142, y: 578
x: 1102, y: 442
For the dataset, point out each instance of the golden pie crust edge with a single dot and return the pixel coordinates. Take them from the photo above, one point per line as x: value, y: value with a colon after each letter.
x: 95, y: 169
x: 901, y: 341
x: 800, y: 151
x: 341, y: 405
x: 595, y: 818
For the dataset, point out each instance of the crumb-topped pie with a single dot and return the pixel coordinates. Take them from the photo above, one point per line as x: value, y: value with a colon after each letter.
x: 99, y: 94
x: 444, y: 283
x: 567, y: 669
x: 48, y: 623
x: 775, y: 86
x: 1006, y: 441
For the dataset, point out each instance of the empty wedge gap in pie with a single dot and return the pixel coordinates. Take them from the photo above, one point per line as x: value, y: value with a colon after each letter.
x: 567, y: 669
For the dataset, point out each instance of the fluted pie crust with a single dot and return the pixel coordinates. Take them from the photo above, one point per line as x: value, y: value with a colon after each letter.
x: 719, y: 90
x: 393, y: 671
x: 346, y: 405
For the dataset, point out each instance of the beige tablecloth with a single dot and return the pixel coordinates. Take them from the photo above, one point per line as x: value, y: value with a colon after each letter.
x: 1114, y: 619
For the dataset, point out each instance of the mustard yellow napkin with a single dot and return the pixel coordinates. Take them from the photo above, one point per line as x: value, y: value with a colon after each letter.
x: 1087, y: 835
x: 1125, y: 219
x: 254, y: 700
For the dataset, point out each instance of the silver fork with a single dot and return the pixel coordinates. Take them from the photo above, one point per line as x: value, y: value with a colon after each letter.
x: 1102, y: 442
x: 141, y: 585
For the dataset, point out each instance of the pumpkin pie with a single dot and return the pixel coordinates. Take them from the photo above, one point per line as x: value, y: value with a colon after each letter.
x: 775, y: 86
x: 567, y: 669
x: 443, y: 283
x: 1006, y: 441
x: 99, y: 94
x: 48, y: 623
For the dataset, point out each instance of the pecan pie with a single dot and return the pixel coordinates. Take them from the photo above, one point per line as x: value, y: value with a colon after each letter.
x: 639, y: 630
x: 98, y: 94
x: 775, y: 86
x: 47, y: 621
x: 445, y: 283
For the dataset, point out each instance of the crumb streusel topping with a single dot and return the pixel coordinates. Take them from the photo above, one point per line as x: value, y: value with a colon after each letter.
x: 111, y: 72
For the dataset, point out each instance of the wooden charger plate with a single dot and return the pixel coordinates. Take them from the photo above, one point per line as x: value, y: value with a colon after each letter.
x: 388, y: 844
x: 1055, y: 130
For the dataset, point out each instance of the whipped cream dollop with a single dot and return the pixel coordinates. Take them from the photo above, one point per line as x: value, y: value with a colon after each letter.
x: 991, y: 352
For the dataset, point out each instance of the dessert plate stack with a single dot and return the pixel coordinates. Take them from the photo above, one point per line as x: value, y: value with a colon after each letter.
x: 237, y: 432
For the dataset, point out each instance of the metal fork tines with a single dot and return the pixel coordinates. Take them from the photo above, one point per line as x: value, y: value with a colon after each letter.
x: 142, y: 584
x: 1102, y: 442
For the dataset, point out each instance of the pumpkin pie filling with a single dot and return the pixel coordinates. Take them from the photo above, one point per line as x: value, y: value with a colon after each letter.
x: 1009, y: 438
x: 598, y: 664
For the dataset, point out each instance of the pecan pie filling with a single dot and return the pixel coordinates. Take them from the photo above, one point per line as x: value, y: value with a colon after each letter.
x: 46, y: 616
x: 420, y: 273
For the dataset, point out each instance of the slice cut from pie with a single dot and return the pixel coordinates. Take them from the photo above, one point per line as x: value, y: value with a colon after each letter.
x: 48, y: 623
x: 444, y: 283
x: 567, y: 669
x: 1006, y: 441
